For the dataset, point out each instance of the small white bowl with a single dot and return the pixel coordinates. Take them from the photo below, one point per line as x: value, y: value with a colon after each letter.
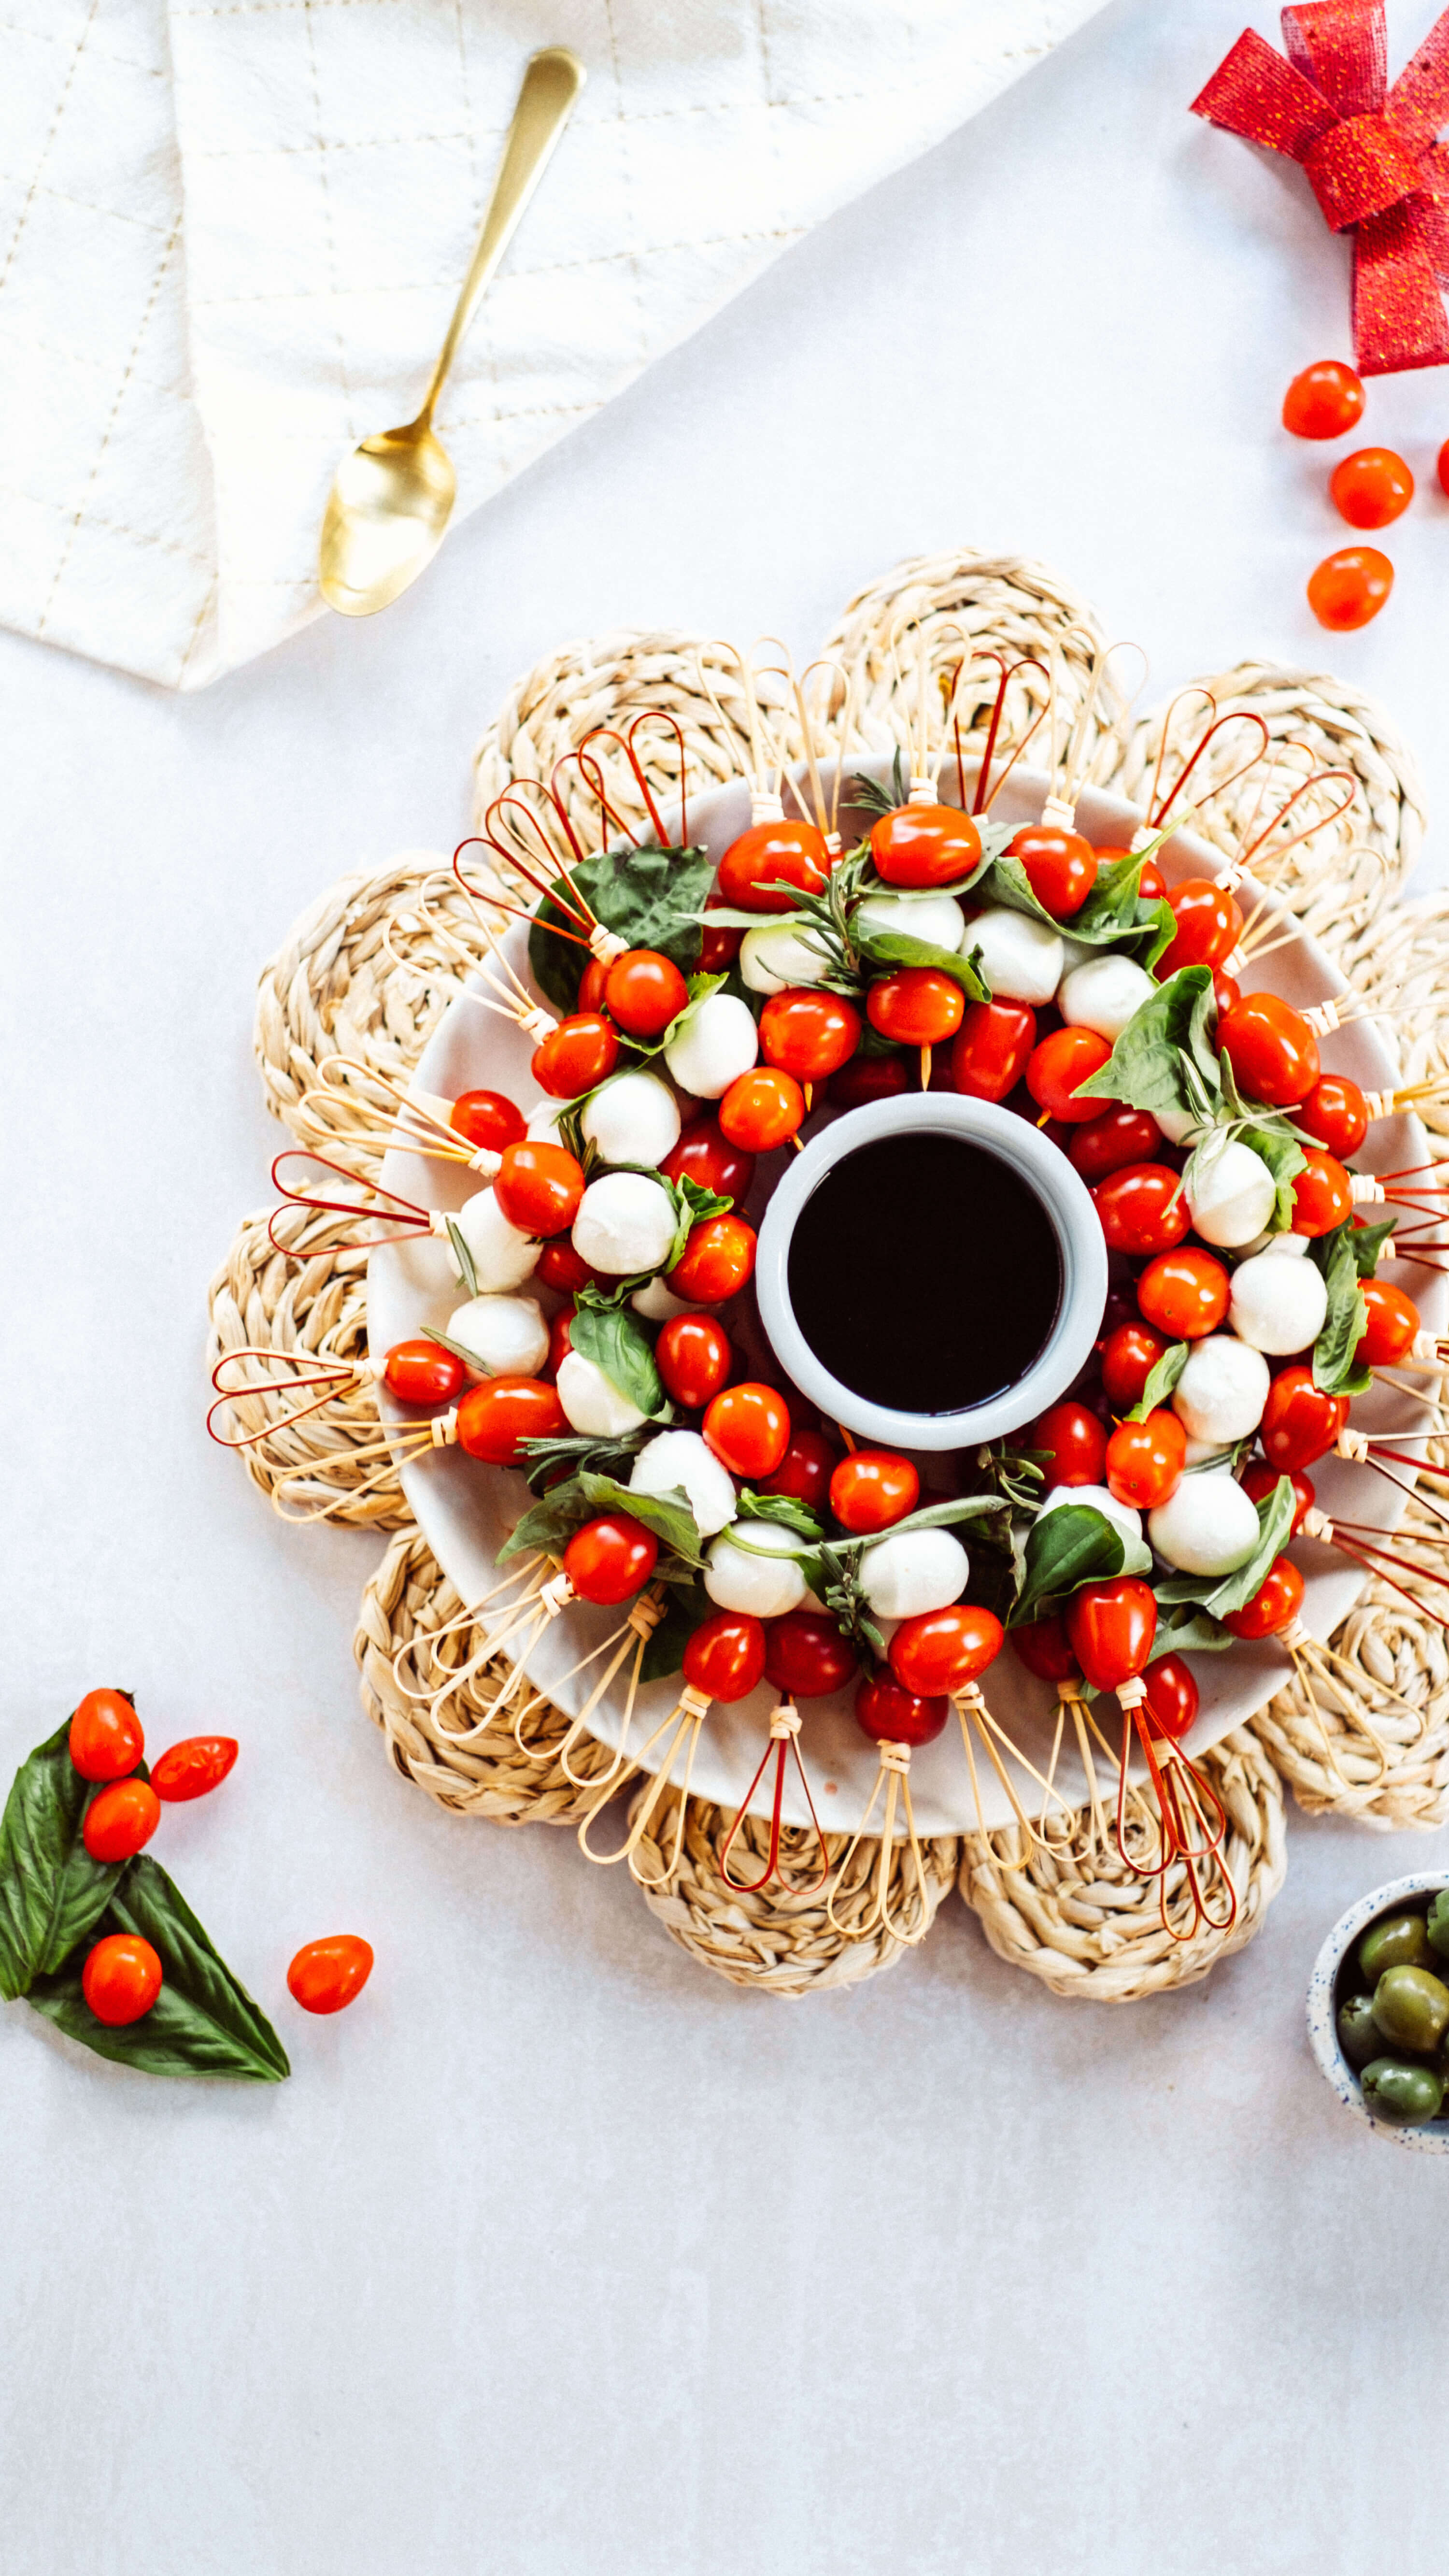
x: 1323, y: 2020
x: 1068, y: 1209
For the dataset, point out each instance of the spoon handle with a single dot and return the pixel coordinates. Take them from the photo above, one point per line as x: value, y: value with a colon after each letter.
x: 551, y: 84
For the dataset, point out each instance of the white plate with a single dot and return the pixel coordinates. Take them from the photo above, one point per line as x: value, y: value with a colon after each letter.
x: 465, y: 1510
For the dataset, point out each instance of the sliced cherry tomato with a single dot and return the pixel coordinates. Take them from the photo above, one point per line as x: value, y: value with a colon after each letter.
x: 644, y: 992
x: 718, y: 949
x: 992, y: 1048
x: 770, y: 864
x: 1259, y: 1480
x: 560, y: 1267
x: 1349, y: 588
x: 1142, y: 1208
x: 867, y: 1078
x: 762, y: 1109
x: 809, y: 1035
x: 1271, y: 1048
x: 120, y: 1820
x: 1061, y: 867
x: 703, y: 1154
x: 1274, y: 1606
x: 748, y: 1428
x: 539, y: 1187
x: 916, y: 1006
x: 610, y: 1559
x: 495, y: 1417
x: 872, y: 1489
x: 1336, y: 1112
x: 422, y: 1372
x: 121, y: 1979
x: 1324, y: 401
x: 1322, y: 1194
x: 487, y: 1118
x: 1392, y: 1322
x: 924, y: 845
x: 1112, y: 1140
x: 726, y: 1656
x: 1145, y: 1460
x: 327, y: 1975
x: 193, y: 1768
x: 1300, y: 1423
x: 1129, y: 1356
x: 694, y: 1357
x: 1371, y: 487
x: 890, y: 1714
x: 806, y: 1656
x: 1184, y: 1294
x: 105, y: 1736
x: 805, y: 1470
x: 943, y: 1650
x: 1046, y: 1650
x: 1075, y: 1444
x: 1068, y: 1057
x: 1209, y: 925
x: 1172, y: 1697
x: 717, y: 1261
x: 579, y: 1053
x: 1112, y: 1626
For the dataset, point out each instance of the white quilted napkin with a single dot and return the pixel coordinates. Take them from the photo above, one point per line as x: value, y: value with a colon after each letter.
x: 231, y: 233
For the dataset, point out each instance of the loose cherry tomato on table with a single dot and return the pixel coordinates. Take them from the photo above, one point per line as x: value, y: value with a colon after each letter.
x: 1336, y: 1112
x: 716, y: 1263
x: 1348, y: 589
x: 1112, y: 1626
x: 105, y: 1737
x: 1322, y: 1194
x: 806, y: 1656
x: 121, y: 1979
x: 1142, y: 1208
x: 1145, y: 1460
x: 917, y: 1006
x: 810, y: 1035
x: 1392, y: 1320
x: 591, y: 985
x: 422, y: 1372
x: 890, y: 1714
x: 992, y: 1048
x: 120, y: 1820
x: 327, y: 1975
x: 538, y: 1187
x: 193, y: 1768
x: 694, y: 1357
x: 494, y: 1418
x: 726, y: 1656
x: 1274, y: 1606
x: 560, y: 1267
x: 1209, y: 925
x: 1116, y: 1137
x: 486, y: 1118
x: 792, y: 856
x: 748, y: 1428
x: 1129, y: 1356
x: 718, y: 948
x: 1259, y: 1479
x: 805, y: 1470
x: 579, y: 1053
x: 1184, y: 1294
x: 762, y: 1109
x: 610, y: 1559
x: 1371, y: 487
x: 1061, y: 866
x: 1324, y: 401
x: 943, y: 1650
x: 1075, y: 1444
x: 924, y: 845
x: 1300, y: 1423
x: 644, y: 992
x: 1172, y: 1697
x: 1271, y: 1048
x: 1062, y: 1061
x: 1046, y: 1650
x: 867, y: 1078
x: 706, y: 1155
x: 872, y: 1489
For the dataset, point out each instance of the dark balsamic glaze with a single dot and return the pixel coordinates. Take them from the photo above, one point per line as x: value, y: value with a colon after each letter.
x: 925, y: 1273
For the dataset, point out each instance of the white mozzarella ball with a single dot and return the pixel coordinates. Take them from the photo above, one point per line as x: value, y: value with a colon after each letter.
x: 543, y: 1121
x: 507, y: 1336
x: 1208, y: 1526
x: 501, y: 1256
x: 917, y: 1570
x: 766, y: 1586
x: 1232, y: 1193
x: 1178, y: 1125
x: 1104, y: 995
x: 592, y: 1401
x: 681, y: 1462
x: 1020, y: 958
x: 1278, y: 1306
x: 936, y: 917
x: 634, y: 1119
x: 656, y: 1303
x: 775, y: 961
x: 1294, y: 1246
x: 1199, y: 1450
x: 1075, y: 953
x: 720, y: 1042
x: 1098, y: 1499
x: 1222, y: 1390
x: 625, y: 1222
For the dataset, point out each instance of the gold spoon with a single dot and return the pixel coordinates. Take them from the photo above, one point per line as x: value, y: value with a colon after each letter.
x: 389, y: 507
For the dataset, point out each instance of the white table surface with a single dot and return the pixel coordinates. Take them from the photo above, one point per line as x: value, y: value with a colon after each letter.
x: 558, y: 2254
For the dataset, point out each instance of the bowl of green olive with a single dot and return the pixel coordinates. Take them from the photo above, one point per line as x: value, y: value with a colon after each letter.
x: 1378, y: 2011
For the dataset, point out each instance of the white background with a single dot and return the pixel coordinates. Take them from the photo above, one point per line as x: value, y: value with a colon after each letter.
x: 558, y: 2254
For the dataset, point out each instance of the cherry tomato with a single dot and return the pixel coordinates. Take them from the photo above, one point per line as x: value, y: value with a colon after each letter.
x: 1075, y: 1443
x: 105, y: 1736
x: 1349, y: 588
x: 694, y: 1358
x: 1300, y: 1423
x: 1393, y: 1320
x: 121, y: 1979
x: 1068, y: 1057
x: 867, y: 1078
x: 1336, y: 1112
x: 1172, y: 1697
x: 591, y: 986
x: 486, y: 1118
x: 716, y: 1263
x: 806, y: 1656
x: 809, y: 1035
x: 1151, y: 883
x: 1274, y: 1606
x: 327, y: 1975
x: 943, y: 1650
x: 917, y: 1006
x: 1227, y: 991
x: 193, y: 1768
x: 539, y: 1187
x: 422, y: 1372
x: 1209, y: 924
x: 762, y: 1109
x: 1184, y: 1294
x: 1045, y: 1648
x: 610, y: 1559
x: 120, y: 1820
x: 1145, y: 1460
x: 889, y: 1714
x: 924, y: 845
x: 560, y: 1267
x: 748, y: 1428
x: 1142, y: 1208
x: 703, y: 1154
x: 561, y: 1337
x: 718, y: 948
x: 644, y: 992
x: 1322, y: 1194
x: 871, y: 1489
x: 805, y: 1470
x: 579, y: 1053
x: 1324, y: 401
x: 1271, y: 1049
x: 726, y: 1656
x: 1061, y: 867
x: 1442, y: 467
x: 1111, y: 1626
x: 1371, y: 487
x: 772, y: 855
x: 992, y: 1048
x: 495, y: 1417
x: 1259, y: 1480
x: 1111, y: 1141
x: 1129, y: 1356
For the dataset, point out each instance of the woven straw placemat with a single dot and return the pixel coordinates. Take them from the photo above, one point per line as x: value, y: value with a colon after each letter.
x: 1384, y: 1760
x: 1404, y: 964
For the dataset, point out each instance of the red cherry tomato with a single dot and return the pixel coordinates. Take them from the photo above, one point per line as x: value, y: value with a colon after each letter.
x: 1300, y: 1423
x: 486, y: 1118
x: 1227, y: 991
x: 917, y: 1006
x: 1392, y: 1322
x: 644, y: 992
x: 1322, y: 1194
x: 560, y: 1338
x: 1349, y: 588
x: 327, y: 1975
x: 694, y: 1357
x: 748, y: 1428
x: 1129, y: 1356
x: 539, y: 1187
x: 1324, y: 401
x: 121, y: 1979
x: 560, y: 1267
x: 1145, y: 1460
x: 495, y: 1417
x: 1061, y: 867
x: 1371, y: 487
x: 1117, y: 1137
x: 1142, y: 1208
x: 718, y: 949
x: 805, y: 1470
x: 1045, y: 1648
x: 924, y: 845
x: 1151, y: 883
x: 762, y: 1109
x: 726, y: 1656
x: 792, y: 856
x: 806, y: 1656
x: 1075, y: 1443
x: 993, y: 1045
x: 1336, y: 1112
x: 867, y: 1078
x: 193, y: 1768
x: 1274, y: 1606
x: 1172, y: 1697
x: 1111, y: 1626
x: 809, y: 1035
x: 704, y: 1155
x: 1259, y: 1480
x: 579, y: 1053
x: 105, y: 1736
x: 1209, y: 924
x: 610, y: 1559
x: 943, y: 1650
x: 1271, y: 1048
x: 889, y: 1714
x: 120, y: 1820
x: 591, y: 986
x: 1442, y: 467
x: 1062, y: 1061
x: 716, y: 1263
x: 422, y: 1372
x: 872, y: 1489
x: 1184, y: 1294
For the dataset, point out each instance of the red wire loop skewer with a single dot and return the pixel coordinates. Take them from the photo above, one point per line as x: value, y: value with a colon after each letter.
x: 781, y: 1743
x: 413, y: 1220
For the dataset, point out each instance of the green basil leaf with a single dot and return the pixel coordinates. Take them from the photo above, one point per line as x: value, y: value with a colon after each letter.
x: 203, y: 2022
x: 51, y: 1892
x: 889, y: 949
x: 1164, y: 1058
x: 543, y: 1460
x: 614, y: 1338
x: 1188, y: 1631
x: 1065, y: 1548
x: 652, y: 898
x: 668, y: 1515
x: 549, y: 1524
x: 687, y: 1608
x: 787, y: 1509
x: 1367, y: 1243
x: 1335, y: 1368
x: 693, y: 1205
x: 1285, y: 1159
x: 1218, y: 1594
x: 464, y: 1259
x: 961, y: 1507
x: 1162, y: 1377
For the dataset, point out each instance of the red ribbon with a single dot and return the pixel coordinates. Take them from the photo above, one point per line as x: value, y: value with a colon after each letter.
x: 1370, y: 157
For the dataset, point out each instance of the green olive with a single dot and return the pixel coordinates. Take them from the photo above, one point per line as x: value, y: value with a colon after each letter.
x: 1437, y: 1926
x: 1411, y: 2008
x: 1359, y: 2035
x: 1395, y: 1941
x: 1404, y: 2094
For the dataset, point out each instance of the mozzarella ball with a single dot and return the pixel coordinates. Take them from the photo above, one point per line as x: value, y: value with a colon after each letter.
x: 937, y: 917
x: 1104, y: 995
x: 720, y: 1042
x: 507, y: 1336
x: 1197, y: 1451
x: 634, y: 1119
x: 765, y: 1586
x: 625, y: 1222
x: 680, y: 1462
x: 1096, y: 1497
x: 1020, y: 958
x: 1178, y: 1125
x: 1278, y: 1306
x: 1075, y: 953
x: 1222, y: 1390
x: 1208, y: 1526
x: 542, y: 1123
x: 592, y: 1401
x: 1231, y: 1195
x: 502, y: 1257
x: 775, y: 961
x: 916, y: 1570
x: 1293, y: 1247
x: 656, y: 1303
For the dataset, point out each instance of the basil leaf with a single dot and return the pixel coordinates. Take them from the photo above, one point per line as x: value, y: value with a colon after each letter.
x: 549, y: 1524
x: 962, y: 1507
x: 464, y: 1259
x: 1335, y: 1369
x: 687, y: 1609
x: 1164, y: 1058
x: 203, y: 2022
x: 1367, y: 1244
x: 1162, y: 1377
x: 787, y: 1509
x: 542, y: 1460
x: 1188, y: 1631
x: 1065, y: 1548
x: 51, y: 1892
x: 651, y: 897
x: 693, y: 1205
x: 1285, y: 1159
x: 668, y: 1515
x: 889, y: 949
x: 615, y: 1340
x: 1218, y: 1594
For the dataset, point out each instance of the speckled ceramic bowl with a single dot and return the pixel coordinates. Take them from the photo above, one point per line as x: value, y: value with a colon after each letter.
x: 1322, y: 2018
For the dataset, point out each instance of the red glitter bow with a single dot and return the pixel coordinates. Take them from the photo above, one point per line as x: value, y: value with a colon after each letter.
x: 1370, y: 155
